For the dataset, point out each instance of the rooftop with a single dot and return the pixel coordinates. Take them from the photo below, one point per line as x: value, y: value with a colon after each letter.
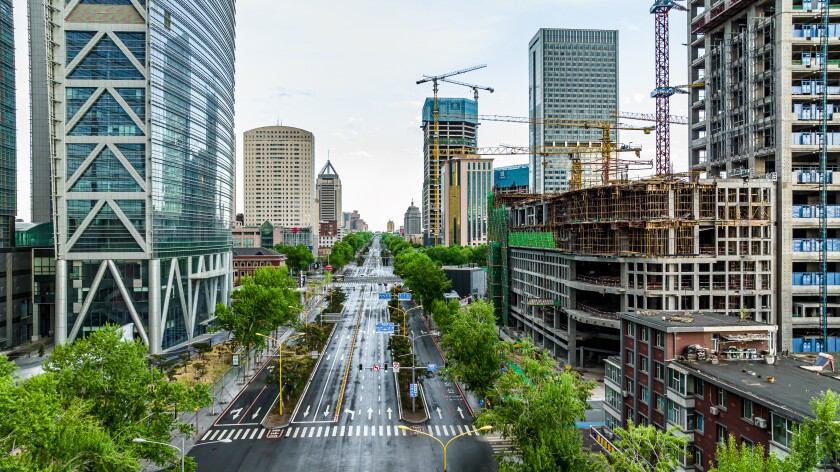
x: 692, y: 321
x: 254, y: 251
x: 792, y: 391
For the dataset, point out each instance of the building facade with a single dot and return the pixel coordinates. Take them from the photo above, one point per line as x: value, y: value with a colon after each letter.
x: 142, y: 161
x: 577, y: 259
x: 40, y: 95
x: 279, y: 163
x: 389, y: 227
x: 557, y: 59
x: 412, y: 222
x: 457, y: 135
x: 328, y: 189
x: 465, y: 181
x: 246, y: 261
x: 759, y: 114
x: 353, y: 222
x: 511, y: 179
x: 254, y: 236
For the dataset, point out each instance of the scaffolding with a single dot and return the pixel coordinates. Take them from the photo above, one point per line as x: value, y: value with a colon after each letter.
x: 497, y: 257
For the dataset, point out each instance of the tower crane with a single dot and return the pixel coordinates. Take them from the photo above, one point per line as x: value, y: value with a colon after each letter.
x: 663, y: 91
x: 434, y: 164
x: 475, y: 88
x: 606, y: 127
x: 673, y: 119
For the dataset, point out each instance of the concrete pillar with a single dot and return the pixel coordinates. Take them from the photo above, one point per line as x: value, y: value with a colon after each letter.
x: 155, y: 316
x: 572, y: 346
x: 61, y: 301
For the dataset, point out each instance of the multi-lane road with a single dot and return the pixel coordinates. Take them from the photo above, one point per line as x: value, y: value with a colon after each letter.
x: 347, y: 418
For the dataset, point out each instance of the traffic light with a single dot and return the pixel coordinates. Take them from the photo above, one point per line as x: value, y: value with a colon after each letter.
x: 360, y: 367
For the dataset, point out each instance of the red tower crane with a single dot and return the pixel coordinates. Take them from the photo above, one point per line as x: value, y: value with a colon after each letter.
x: 663, y: 90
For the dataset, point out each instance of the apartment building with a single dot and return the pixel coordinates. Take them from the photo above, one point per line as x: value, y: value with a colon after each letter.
x: 465, y: 181
x: 759, y: 114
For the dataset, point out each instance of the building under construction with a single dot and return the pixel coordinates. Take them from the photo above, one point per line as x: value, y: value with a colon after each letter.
x: 561, y: 266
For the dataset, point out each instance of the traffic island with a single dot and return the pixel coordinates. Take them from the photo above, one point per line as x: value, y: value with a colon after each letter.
x: 420, y: 414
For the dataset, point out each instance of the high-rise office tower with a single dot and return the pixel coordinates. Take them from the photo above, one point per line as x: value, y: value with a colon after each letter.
x: 572, y: 74
x: 412, y: 222
x: 142, y: 162
x: 466, y: 182
x: 457, y: 132
x: 389, y: 227
x: 279, y: 177
x: 8, y: 144
x: 40, y: 122
x: 328, y: 189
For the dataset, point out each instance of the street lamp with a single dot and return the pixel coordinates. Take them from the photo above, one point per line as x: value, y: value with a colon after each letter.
x: 445, y: 446
x: 405, y: 315
x: 179, y: 449
x: 280, y: 363
x: 413, y: 337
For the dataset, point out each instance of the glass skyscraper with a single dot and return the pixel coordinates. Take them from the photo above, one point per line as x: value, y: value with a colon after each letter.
x: 143, y: 163
x: 8, y: 145
x: 573, y: 75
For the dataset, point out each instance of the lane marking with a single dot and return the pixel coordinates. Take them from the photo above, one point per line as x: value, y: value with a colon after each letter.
x: 289, y: 432
x: 261, y: 433
x: 236, y: 435
x: 388, y: 430
x: 318, y: 435
x: 206, y: 435
x: 296, y: 432
x: 311, y: 432
x: 380, y: 430
x: 359, y: 430
x: 252, y: 405
x: 366, y: 430
x: 342, y: 431
x: 437, y: 431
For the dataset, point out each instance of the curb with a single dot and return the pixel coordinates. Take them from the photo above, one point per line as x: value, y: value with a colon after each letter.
x: 399, y: 402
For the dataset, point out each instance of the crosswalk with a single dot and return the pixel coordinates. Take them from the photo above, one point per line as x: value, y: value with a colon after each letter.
x: 499, y: 444
x: 234, y: 434
x: 370, y: 431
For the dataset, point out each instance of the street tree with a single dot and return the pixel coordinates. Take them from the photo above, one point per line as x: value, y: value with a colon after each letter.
x: 443, y: 313
x: 423, y: 277
x: 729, y: 457
x: 470, y: 343
x: 537, y: 410
x: 646, y: 449
x: 298, y: 257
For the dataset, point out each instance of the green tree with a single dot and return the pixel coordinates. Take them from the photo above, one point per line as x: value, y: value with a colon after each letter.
x: 470, y: 343
x: 298, y: 257
x: 259, y: 305
x: 732, y: 458
x: 646, y: 448
x: 538, y: 411
x: 479, y: 255
x: 442, y: 313
x: 423, y: 277
x: 817, y: 438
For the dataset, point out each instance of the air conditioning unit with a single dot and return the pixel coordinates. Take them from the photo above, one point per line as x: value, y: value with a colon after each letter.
x: 624, y: 393
x: 760, y: 422
x: 714, y: 411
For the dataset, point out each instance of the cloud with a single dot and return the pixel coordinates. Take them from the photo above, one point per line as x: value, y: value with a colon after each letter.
x: 283, y: 93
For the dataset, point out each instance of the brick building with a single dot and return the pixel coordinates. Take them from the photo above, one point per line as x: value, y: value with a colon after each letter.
x: 246, y: 260
x: 710, y: 376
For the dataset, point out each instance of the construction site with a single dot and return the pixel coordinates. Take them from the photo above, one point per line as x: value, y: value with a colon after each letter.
x: 562, y: 265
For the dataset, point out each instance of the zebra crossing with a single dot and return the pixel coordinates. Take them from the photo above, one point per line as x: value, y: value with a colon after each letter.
x: 371, y: 431
x: 234, y: 434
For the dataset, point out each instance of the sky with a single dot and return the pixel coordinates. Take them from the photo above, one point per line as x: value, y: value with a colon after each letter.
x: 346, y: 71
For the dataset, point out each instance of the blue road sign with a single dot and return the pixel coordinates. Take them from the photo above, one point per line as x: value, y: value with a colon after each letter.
x: 404, y: 296
x: 387, y: 328
x: 385, y: 296
x: 412, y: 390
x: 481, y: 402
x: 432, y: 367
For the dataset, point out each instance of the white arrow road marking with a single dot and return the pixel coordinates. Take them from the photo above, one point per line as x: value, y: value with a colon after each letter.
x: 327, y: 411
x: 236, y: 412
x: 305, y: 413
x: 256, y: 413
x: 351, y: 413
x: 461, y: 412
x: 328, y: 357
x: 370, y: 412
x: 389, y: 411
x: 440, y: 415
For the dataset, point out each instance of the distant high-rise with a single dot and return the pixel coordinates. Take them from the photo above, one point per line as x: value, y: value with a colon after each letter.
x: 390, y: 226
x: 40, y: 121
x: 572, y: 74
x: 466, y: 182
x: 457, y: 130
x: 8, y: 145
x: 328, y: 189
x: 412, y: 222
x: 140, y: 120
x: 279, y: 177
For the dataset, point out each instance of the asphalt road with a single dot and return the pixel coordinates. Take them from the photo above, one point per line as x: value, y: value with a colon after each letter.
x: 348, y: 418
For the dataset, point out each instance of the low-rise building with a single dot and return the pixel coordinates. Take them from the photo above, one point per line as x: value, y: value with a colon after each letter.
x: 253, y: 236
x: 247, y: 260
x: 468, y: 280
x: 710, y: 376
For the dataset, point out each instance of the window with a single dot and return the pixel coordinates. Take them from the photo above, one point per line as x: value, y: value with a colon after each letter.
x: 628, y: 357
x: 614, y: 373
x: 630, y: 386
x: 699, y: 387
x: 695, y: 421
x: 698, y: 456
x: 659, y: 371
x: 721, y: 397
x: 782, y: 430
x: 676, y: 414
x: 746, y: 443
x: 660, y: 339
x: 643, y: 364
x: 660, y: 402
x: 645, y: 334
x: 676, y: 381
x: 644, y: 394
x: 747, y: 409
x: 612, y: 398
x: 631, y: 329
x: 720, y: 433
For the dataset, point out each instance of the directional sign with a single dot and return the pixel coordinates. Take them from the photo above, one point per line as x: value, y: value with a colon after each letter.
x: 396, y: 367
x: 328, y: 268
x: 376, y: 367
x: 404, y: 296
x: 432, y: 367
x: 412, y: 390
x: 387, y: 328
x: 384, y: 296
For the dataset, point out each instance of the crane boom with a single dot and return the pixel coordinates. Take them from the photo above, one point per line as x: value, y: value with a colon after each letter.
x: 432, y: 78
x: 475, y: 88
x: 673, y: 119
